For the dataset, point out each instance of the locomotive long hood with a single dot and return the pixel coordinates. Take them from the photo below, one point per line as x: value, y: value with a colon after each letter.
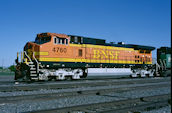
x: 141, y: 47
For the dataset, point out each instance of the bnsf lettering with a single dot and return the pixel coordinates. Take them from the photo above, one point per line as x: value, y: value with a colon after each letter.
x: 106, y: 54
x: 59, y: 50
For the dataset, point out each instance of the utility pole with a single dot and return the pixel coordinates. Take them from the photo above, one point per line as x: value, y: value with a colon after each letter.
x: 2, y: 64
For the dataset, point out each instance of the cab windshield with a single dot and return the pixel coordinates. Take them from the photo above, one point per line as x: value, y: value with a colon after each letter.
x: 42, y: 40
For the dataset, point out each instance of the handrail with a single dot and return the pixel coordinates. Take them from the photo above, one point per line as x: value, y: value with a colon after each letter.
x: 36, y: 61
x: 161, y: 63
x: 164, y: 64
x: 27, y: 56
x: 157, y: 65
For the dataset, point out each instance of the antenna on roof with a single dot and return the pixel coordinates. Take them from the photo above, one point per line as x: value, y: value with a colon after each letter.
x: 121, y: 43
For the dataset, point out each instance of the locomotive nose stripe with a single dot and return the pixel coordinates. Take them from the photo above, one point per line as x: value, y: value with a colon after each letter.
x: 41, y: 53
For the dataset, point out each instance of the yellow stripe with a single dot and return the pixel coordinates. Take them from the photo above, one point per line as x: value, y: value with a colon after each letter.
x: 88, y: 60
x: 101, y: 47
x: 41, y: 53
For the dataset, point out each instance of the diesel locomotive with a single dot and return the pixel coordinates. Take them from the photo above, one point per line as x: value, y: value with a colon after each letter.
x: 60, y: 56
x: 164, y: 61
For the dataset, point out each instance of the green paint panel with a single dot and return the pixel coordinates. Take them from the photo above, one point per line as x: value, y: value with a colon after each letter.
x: 167, y: 58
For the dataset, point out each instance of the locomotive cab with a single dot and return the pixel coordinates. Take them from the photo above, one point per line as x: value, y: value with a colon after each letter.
x: 35, y: 55
x: 44, y: 45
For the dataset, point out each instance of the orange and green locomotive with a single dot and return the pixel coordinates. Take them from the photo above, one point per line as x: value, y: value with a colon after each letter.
x: 61, y: 56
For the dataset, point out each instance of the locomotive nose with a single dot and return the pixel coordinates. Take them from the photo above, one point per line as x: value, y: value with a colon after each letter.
x: 31, y: 48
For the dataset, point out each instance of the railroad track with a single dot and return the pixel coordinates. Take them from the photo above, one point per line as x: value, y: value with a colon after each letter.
x: 67, y: 84
x: 121, y: 106
x: 83, y: 96
x: 10, y: 82
x: 101, y: 91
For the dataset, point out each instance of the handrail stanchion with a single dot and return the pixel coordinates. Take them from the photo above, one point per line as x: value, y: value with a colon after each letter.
x: 36, y: 61
x: 21, y: 57
x: 27, y: 56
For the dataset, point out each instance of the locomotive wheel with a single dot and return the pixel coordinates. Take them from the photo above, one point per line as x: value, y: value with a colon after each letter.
x: 84, y: 74
x: 18, y: 75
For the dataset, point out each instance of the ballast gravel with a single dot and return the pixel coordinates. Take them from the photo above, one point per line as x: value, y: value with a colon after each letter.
x: 166, y: 109
x: 32, y: 105
x: 26, y: 106
x: 44, y: 91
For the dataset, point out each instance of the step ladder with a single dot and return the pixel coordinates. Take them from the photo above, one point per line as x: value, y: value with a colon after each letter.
x: 33, y: 71
x: 34, y: 67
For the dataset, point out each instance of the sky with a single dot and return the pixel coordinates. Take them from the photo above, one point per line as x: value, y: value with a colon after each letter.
x: 142, y: 22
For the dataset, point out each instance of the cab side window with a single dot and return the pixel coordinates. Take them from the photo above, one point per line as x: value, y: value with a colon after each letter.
x: 55, y: 40
x: 66, y: 41
x: 58, y: 40
x: 63, y: 40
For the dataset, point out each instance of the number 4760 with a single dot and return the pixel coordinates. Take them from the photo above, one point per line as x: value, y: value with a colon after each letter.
x: 59, y: 50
